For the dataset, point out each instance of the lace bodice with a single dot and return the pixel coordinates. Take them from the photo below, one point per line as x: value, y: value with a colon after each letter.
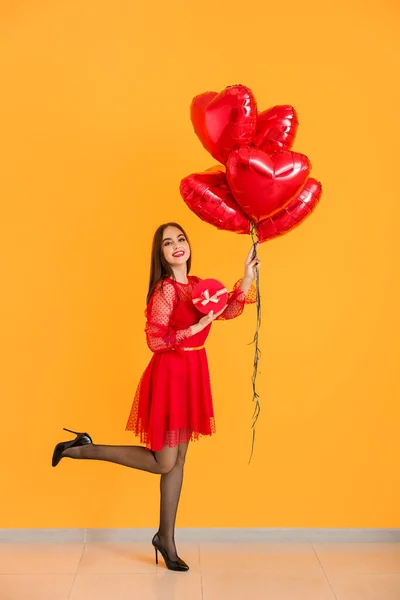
x: 170, y: 314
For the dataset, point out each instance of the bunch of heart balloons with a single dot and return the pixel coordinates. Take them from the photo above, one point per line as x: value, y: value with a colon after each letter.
x: 261, y: 187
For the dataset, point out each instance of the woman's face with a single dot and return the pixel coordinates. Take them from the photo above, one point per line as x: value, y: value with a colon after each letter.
x: 175, y: 247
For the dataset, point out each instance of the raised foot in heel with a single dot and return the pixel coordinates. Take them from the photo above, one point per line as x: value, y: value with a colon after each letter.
x: 82, y: 439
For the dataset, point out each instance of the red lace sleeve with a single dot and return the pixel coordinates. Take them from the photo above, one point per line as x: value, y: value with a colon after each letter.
x: 160, y: 335
x: 237, y: 300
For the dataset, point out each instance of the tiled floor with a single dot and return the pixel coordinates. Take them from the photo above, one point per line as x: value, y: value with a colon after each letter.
x: 219, y: 571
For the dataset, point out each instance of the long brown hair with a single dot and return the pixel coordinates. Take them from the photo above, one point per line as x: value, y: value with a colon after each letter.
x: 159, y: 268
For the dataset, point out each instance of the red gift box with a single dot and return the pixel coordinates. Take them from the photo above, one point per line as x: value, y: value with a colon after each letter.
x: 209, y: 295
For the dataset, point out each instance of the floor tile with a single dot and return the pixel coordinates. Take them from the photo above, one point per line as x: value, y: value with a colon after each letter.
x: 359, y: 558
x: 39, y: 558
x: 132, y: 558
x: 177, y: 586
x: 256, y: 570
x: 266, y: 586
x: 349, y: 586
x: 35, y: 587
x: 258, y: 556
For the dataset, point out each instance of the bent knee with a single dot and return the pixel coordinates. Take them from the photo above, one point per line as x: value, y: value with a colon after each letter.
x: 167, y: 461
x: 166, y: 467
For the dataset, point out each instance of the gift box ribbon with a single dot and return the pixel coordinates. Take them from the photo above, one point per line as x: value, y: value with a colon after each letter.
x: 205, y: 297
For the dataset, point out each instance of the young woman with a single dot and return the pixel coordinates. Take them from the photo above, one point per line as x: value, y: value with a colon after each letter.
x: 173, y: 403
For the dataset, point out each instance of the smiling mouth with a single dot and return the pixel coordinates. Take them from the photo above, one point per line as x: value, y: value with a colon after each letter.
x: 178, y: 254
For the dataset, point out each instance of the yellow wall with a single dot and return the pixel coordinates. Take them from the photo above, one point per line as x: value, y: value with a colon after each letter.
x: 94, y: 139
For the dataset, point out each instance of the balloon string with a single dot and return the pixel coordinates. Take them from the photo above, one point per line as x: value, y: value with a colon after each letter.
x: 257, y: 351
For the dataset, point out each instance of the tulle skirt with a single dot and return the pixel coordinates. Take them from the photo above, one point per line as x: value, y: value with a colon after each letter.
x: 173, y: 401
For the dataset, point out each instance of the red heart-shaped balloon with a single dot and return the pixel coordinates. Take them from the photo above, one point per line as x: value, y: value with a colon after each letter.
x: 209, y: 197
x: 276, y: 129
x: 225, y: 120
x: 293, y: 214
x: 263, y: 184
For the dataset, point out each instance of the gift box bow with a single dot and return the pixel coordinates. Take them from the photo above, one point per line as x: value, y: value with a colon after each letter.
x: 206, y: 297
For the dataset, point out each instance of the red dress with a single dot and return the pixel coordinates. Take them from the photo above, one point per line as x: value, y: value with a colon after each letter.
x: 173, y: 402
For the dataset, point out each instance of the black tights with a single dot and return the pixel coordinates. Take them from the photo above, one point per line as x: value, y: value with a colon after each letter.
x: 168, y: 462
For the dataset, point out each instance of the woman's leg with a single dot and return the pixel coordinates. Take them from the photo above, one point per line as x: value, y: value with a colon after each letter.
x: 136, y: 457
x: 168, y: 462
x: 170, y: 488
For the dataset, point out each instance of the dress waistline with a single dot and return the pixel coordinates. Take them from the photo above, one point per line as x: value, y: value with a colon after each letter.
x: 191, y: 349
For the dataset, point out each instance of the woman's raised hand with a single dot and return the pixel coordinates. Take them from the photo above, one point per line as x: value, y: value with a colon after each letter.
x: 251, y: 265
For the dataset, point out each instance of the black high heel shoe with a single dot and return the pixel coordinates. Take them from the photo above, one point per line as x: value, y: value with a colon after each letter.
x: 172, y: 565
x: 81, y: 440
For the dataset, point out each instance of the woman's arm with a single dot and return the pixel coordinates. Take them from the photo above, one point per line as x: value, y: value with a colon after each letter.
x: 160, y: 335
x: 245, y: 285
x: 244, y: 291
